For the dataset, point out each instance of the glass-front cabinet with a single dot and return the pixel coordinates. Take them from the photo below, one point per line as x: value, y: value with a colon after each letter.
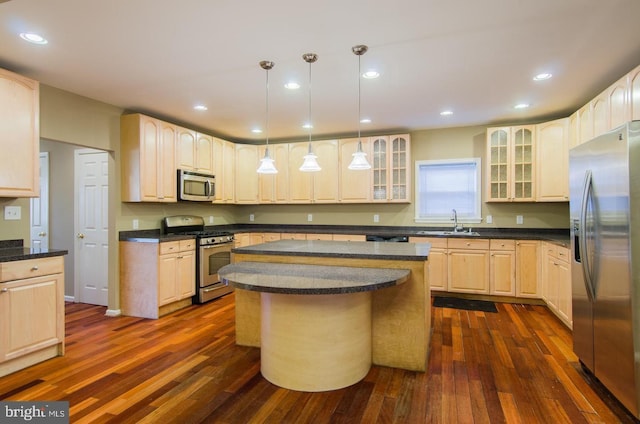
x: 390, y: 168
x: 510, y: 153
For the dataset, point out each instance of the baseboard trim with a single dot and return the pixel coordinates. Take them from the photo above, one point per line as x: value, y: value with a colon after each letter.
x: 71, y: 299
x: 113, y: 312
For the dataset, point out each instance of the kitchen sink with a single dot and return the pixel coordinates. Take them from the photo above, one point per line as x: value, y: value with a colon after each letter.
x: 448, y: 233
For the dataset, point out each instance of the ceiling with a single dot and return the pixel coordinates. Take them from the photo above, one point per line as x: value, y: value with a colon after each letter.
x: 475, y: 58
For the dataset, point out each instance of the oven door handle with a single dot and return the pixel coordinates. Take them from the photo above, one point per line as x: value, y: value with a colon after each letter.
x: 213, y: 246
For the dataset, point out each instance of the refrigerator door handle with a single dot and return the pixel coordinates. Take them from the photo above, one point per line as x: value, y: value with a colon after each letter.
x: 582, y: 238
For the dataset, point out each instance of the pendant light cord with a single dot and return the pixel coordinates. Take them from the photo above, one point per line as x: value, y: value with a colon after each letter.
x: 309, y: 122
x: 359, y: 102
x: 267, y: 117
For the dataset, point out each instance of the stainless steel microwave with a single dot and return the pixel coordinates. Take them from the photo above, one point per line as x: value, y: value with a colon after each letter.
x: 196, y: 186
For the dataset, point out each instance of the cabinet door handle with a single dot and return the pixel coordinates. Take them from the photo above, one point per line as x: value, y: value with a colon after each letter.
x: 34, y: 268
x: 4, y: 290
x: 80, y: 235
x: 42, y: 234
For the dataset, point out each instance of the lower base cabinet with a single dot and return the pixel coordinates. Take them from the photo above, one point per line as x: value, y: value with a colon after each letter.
x: 502, y: 267
x: 468, y: 265
x: 156, y: 278
x: 556, y: 281
x: 31, y: 312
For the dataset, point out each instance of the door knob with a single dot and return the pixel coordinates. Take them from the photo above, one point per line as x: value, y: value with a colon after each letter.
x: 42, y: 234
x: 80, y: 235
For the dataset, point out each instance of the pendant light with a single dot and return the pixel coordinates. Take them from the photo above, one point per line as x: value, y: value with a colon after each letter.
x: 310, y: 163
x: 266, y: 163
x: 359, y: 161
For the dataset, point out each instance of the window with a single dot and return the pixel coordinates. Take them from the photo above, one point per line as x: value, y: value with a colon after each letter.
x: 443, y: 185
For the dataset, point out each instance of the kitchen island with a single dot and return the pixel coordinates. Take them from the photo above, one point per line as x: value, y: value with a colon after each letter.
x: 400, y: 314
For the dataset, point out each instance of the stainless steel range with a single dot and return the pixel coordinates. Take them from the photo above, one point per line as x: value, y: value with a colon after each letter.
x: 213, y: 251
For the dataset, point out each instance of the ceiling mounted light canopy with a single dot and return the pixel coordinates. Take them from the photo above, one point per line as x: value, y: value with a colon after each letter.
x: 310, y: 163
x: 266, y: 163
x: 359, y: 161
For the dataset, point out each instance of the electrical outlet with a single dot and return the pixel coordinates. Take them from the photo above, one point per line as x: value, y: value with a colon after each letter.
x: 12, y: 213
x: 210, y: 219
x: 489, y: 219
x: 135, y: 224
x: 519, y: 219
x: 309, y: 217
x: 376, y: 218
x: 252, y: 217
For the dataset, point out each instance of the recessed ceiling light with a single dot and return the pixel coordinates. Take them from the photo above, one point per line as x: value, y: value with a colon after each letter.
x: 371, y: 74
x: 256, y: 131
x: 307, y: 126
x: 521, y: 106
x: 446, y: 112
x: 365, y: 121
x: 33, y: 38
x: 292, y: 85
x: 200, y: 107
x: 543, y: 76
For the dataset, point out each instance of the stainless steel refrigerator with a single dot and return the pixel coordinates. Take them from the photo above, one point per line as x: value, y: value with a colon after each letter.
x: 604, y: 180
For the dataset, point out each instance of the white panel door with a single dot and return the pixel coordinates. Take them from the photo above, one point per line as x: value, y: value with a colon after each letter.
x: 91, y: 175
x: 40, y: 208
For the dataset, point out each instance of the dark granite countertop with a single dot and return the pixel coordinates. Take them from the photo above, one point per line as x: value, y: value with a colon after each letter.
x: 559, y: 236
x: 14, y: 250
x: 340, y: 249
x: 309, y: 279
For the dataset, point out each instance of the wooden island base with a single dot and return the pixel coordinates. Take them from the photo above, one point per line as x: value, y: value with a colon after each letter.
x: 315, y: 343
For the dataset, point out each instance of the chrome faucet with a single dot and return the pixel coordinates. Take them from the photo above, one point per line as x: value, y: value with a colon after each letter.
x: 456, y: 228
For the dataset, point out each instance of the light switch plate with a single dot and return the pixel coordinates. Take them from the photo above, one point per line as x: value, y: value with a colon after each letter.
x: 12, y: 213
x: 519, y: 219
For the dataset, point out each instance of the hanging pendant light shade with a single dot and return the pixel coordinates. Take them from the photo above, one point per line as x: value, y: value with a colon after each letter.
x: 359, y: 161
x: 310, y: 163
x: 267, y: 163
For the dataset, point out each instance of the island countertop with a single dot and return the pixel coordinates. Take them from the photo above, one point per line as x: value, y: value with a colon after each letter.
x: 310, y: 279
x: 340, y: 249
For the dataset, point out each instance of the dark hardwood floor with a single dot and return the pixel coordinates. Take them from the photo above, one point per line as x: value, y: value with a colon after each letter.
x: 512, y: 366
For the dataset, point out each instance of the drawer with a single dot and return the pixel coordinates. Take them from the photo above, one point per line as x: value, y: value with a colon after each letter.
x: 169, y: 247
x: 436, y: 242
x: 187, y: 245
x: 497, y: 244
x: 468, y: 243
x: 18, y: 270
x: 562, y: 253
x: 550, y: 249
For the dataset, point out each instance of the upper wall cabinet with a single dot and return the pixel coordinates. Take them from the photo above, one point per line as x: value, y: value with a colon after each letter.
x: 194, y: 151
x: 552, y: 161
x: 314, y: 187
x: 19, y: 134
x: 355, y: 186
x: 391, y: 157
x: 246, y: 178
x: 510, y: 164
x: 274, y: 188
x: 634, y: 93
x: 148, y: 159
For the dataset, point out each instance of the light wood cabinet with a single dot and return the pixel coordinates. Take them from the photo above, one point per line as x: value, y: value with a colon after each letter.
x: 634, y: 93
x: 349, y: 237
x: 248, y: 239
x: 556, y: 281
x: 19, y: 126
x: 437, y: 262
x: 156, y: 278
x: 574, y: 129
x: 528, y: 268
x: 355, y: 186
x: 293, y: 236
x: 552, y: 161
x: 147, y: 147
x: 274, y: 188
x: 31, y: 312
x: 225, y: 180
x: 502, y: 267
x: 194, y: 151
x: 246, y: 177
x: 468, y: 265
x: 176, y: 271
x: 300, y: 183
x: 585, y: 124
x: 510, y: 164
x: 326, y: 181
x: 391, y: 171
